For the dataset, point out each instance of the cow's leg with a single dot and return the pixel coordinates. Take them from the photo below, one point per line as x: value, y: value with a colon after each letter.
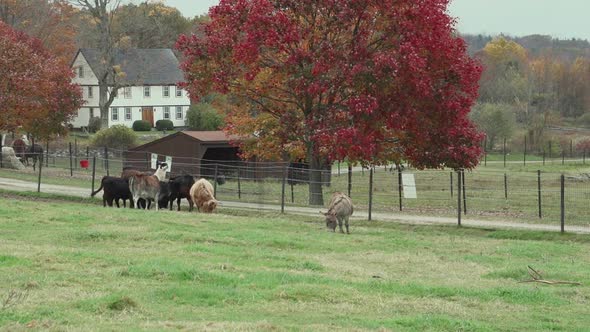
x: 340, y: 224
x: 104, y: 202
x: 117, y: 203
x: 156, y: 200
x: 346, y: 223
x: 191, y: 205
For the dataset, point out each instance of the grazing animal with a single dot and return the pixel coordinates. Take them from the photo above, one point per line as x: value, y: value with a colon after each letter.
x: 339, y: 209
x: 147, y: 186
x: 163, y: 198
x: 34, y: 152
x: 180, y: 187
x: 128, y: 172
x: 114, y: 189
x: 20, y: 149
x: 203, y: 196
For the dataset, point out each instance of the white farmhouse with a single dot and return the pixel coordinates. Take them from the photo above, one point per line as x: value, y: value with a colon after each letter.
x: 151, y: 92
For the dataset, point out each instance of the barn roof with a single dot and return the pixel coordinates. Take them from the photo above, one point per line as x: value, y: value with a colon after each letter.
x: 197, y: 136
x: 141, y: 66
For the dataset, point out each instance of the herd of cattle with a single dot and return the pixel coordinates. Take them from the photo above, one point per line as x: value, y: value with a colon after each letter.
x: 142, y: 189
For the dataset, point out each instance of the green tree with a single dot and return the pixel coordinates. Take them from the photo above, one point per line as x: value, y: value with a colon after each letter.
x: 496, y: 120
x: 203, y: 116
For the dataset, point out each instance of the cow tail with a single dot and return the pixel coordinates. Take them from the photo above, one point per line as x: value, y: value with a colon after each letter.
x: 99, y: 189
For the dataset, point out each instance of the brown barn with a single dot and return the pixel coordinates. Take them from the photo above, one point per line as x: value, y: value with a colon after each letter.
x: 192, y: 152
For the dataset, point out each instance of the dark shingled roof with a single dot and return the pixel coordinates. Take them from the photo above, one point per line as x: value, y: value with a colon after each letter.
x: 141, y: 66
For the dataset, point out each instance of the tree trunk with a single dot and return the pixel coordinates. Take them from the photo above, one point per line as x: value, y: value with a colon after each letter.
x: 103, y: 104
x: 316, y: 196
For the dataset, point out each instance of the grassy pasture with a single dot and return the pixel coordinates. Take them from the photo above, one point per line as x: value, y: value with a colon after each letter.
x: 76, y: 266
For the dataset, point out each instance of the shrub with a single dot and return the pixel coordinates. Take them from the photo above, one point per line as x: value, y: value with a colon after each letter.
x: 94, y: 124
x: 164, y: 125
x: 142, y: 125
x: 203, y: 117
x: 584, y: 120
x: 116, y: 137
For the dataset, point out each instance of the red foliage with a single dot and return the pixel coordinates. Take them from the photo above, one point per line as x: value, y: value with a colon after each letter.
x: 370, y: 80
x: 36, y: 91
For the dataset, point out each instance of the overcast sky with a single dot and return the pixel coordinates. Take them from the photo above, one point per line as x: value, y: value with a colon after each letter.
x: 562, y: 19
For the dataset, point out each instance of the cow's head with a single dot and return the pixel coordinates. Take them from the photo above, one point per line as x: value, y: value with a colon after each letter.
x: 210, y: 206
x: 331, y: 220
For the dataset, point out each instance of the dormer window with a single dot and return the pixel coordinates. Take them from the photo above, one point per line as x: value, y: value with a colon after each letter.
x: 81, y: 72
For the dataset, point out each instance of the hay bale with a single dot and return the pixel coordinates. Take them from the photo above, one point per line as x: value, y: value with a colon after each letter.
x: 9, y: 159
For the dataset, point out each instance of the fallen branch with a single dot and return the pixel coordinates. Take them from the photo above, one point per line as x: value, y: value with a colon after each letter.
x: 537, y: 277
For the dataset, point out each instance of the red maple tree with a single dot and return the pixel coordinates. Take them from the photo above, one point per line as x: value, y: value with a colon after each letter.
x: 36, y: 90
x: 370, y: 81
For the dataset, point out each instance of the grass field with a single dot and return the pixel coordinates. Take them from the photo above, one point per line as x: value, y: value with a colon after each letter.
x: 76, y: 266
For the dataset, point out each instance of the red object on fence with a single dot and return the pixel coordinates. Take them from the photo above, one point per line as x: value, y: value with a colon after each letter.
x: 84, y: 163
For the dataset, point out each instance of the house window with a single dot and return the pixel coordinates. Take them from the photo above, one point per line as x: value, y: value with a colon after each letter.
x: 127, y: 92
x: 178, y: 112
x: 115, y: 114
x: 166, y: 91
x: 167, y: 112
x: 146, y: 91
x: 81, y: 71
x: 90, y: 92
x: 128, y: 113
x: 178, y: 92
x: 91, y: 112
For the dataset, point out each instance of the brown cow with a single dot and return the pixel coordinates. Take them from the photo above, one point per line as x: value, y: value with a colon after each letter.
x: 202, y: 195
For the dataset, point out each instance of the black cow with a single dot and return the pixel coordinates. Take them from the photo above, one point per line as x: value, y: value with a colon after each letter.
x: 114, y: 189
x: 180, y: 187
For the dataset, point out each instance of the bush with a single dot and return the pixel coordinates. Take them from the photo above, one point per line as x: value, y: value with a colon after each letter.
x: 584, y: 120
x: 116, y: 137
x: 162, y: 125
x: 94, y: 124
x: 203, y: 117
x: 142, y: 125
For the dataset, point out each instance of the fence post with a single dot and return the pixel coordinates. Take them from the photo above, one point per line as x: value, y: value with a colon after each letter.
x: 215, y: 181
x: 93, y: 171
x: 464, y: 196
x: 543, y: 157
x: 504, y: 152
x: 87, y: 153
x: 370, y: 192
x: 399, y: 187
x: 39, y: 179
x: 239, y: 186
x: 71, y: 166
x: 539, y: 191
x: 549, y: 150
x: 283, y: 190
x: 563, y: 157
x: 459, y: 197
x: 338, y: 167
x: 47, y: 153
x: 106, y: 158
x: 584, y: 157
x: 1, y: 148
x: 562, y: 203
x: 571, y: 148
x: 75, y: 153
x: 349, y: 179
x: 505, y: 186
x: 451, y: 174
x: 524, y: 158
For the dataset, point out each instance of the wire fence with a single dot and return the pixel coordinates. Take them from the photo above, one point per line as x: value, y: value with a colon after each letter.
x: 538, y: 196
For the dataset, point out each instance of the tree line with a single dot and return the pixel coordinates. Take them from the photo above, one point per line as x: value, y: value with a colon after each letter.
x: 529, y: 84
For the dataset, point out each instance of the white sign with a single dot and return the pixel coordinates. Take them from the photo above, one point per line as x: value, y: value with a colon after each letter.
x: 154, y: 161
x: 409, y: 185
x: 169, y: 162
